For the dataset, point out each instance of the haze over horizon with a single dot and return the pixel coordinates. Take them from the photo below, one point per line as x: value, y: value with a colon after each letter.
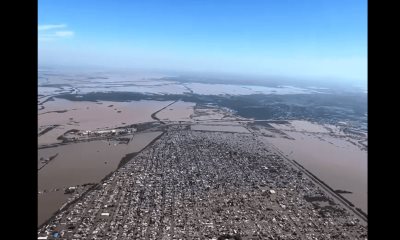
x: 316, y: 39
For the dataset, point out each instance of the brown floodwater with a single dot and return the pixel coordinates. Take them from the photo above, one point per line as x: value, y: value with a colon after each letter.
x: 308, y: 126
x: 301, y: 126
x: 80, y: 163
x: 335, y: 161
x: 84, y: 115
x: 49, y: 203
x: 179, y: 111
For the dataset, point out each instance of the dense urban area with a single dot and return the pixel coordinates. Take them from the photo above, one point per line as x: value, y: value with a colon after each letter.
x: 205, y: 185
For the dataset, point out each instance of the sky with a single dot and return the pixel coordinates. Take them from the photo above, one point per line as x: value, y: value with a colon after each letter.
x: 323, y: 39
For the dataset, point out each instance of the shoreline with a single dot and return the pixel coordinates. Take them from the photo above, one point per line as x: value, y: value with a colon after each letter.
x: 124, y: 160
x: 349, y: 205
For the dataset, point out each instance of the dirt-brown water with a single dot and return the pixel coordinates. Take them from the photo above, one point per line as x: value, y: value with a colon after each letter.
x: 179, y: 111
x: 335, y: 161
x: 91, y: 115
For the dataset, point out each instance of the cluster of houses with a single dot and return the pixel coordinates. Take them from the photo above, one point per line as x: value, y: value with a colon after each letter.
x: 198, y: 185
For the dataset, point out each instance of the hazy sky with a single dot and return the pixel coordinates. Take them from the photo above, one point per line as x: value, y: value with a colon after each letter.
x: 310, y: 38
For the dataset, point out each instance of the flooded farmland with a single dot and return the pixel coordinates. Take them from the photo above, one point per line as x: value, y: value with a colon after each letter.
x: 179, y: 111
x: 84, y: 115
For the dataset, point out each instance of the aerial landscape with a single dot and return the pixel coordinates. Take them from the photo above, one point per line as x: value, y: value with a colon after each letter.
x: 152, y: 152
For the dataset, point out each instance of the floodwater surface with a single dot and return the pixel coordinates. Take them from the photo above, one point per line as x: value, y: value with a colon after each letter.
x: 335, y: 161
x: 84, y: 115
x: 179, y: 111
